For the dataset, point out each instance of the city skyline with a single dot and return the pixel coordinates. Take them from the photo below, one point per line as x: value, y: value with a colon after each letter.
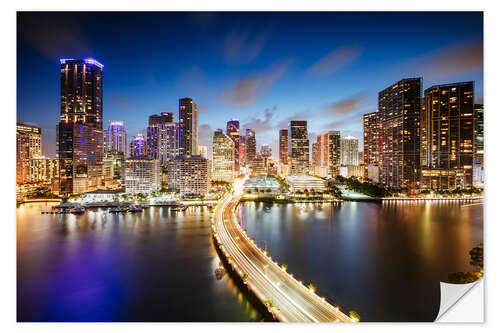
x: 247, y: 72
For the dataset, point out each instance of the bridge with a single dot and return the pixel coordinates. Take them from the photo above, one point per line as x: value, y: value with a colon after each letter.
x: 287, y: 299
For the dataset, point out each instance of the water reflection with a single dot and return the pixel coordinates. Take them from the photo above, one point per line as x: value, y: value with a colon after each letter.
x: 383, y: 260
x: 154, y: 265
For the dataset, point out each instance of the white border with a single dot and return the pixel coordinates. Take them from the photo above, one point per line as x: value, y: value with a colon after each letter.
x: 8, y: 89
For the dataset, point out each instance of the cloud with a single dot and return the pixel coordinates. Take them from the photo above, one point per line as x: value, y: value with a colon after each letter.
x: 339, y: 124
x: 205, y: 133
x: 346, y: 106
x: 449, y: 61
x: 262, y: 125
x: 306, y: 115
x: 53, y: 35
x: 335, y: 60
x: 248, y: 89
x: 242, y: 46
x: 122, y: 101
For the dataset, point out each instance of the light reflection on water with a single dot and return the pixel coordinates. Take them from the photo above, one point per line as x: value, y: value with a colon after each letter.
x: 156, y: 265
x: 383, y: 260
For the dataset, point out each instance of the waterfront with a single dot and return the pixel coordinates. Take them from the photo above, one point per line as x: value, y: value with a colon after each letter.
x: 156, y: 265
x: 384, y: 261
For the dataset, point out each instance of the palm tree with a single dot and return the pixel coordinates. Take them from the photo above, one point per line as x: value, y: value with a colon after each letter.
x: 245, y: 278
x: 284, y: 267
x: 311, y: 287
x: 354, y: 315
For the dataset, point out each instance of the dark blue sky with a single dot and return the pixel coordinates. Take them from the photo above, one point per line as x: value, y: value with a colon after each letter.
x: 263, y: 68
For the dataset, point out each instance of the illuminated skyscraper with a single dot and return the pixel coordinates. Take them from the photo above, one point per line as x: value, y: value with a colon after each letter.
x: 233, y: 131
x: 371, y: 140
x: 298, y: 147
x: 28, y: 146
x: 349, y: 151
x: 188, y: 127
x: 328, y: 154
x: 283, y: 144
x: 222, y: 157
x: 138, y: 146
x: 478, y: 171
x: 191, y: 175
x: 242, y: 150
x: 399, y: 114
x: 448, y: 136
x: 162, y: 138
x: 265, y: 151
x: 250, y: 146
x: 79, y: 132
x: 34, y: 134
x: 142, y: 175
x: 164, y: 117
x: 116, y: 137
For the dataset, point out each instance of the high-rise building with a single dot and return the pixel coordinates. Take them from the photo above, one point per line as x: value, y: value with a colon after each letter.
x: 314, y: 154
x: 371, y: 141
x: 162, y: 118
x: 298, y: 147
x: 447, y: 127
x: 34, y: 134
x: 138, y: 146
x: 222, y: 157
x: 113, y: 164
x: 349, y: 151
x: 399, y: 115
x: 283, y: 143
x: 242, y: 150
x: 233, y: 131
x: 328, y: 154
x: 478, y: 177
x: 265, y: 151
x: 250, y: 146
x: 43, y: 169
x: 188, y: 127
x: 116, y: 137
x: 142, y: 175
x: 22, y: 158
x: 191, y: 175
x: 79, y: 132
x: 203, y: 150
x: 259, y: 165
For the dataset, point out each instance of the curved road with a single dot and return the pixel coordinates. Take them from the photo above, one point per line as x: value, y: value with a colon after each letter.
x: 292, y: 301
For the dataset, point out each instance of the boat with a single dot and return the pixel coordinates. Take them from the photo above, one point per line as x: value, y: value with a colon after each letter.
x: 119, y: 209
x: 135, y: 208
x: 77, y: 210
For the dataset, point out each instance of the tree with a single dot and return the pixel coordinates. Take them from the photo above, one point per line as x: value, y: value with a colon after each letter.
x: 245, y: 278
x: 268, y: 303
x: 284, y: 267
x: 354, y: 315
x: 311, y: 287
x: 476, y: 257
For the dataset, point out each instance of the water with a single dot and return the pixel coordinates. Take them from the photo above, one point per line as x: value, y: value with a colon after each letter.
x: 151, y: 266
x: 384, y: 261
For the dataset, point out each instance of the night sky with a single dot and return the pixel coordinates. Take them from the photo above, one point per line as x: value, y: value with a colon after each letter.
x: 262, y: 68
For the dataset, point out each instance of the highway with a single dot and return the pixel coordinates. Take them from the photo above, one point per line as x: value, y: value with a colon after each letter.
x: 291, y: 300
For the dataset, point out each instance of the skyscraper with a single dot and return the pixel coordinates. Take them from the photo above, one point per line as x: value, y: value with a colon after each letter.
x: 79, y: 132
x: 328, y: 154
x: 22, y: 158
x: 448, y: 136
x: 142, y: 175
x: 222, y: 157
x: 371, y: 140
x: 242, y: 151
x: 138, y: 146
x: 298, y: 147
x: 34, y: 134
x: 191, y: 175
x: 349, y: 151
x: 116, y: 137
x: 283, y: 143
x: 162, y: 137
x: 250, y: 146
x: 164, y: 117
x: 266, y: 151
x: 399, y: 113
x: 188, y: 127
x: 478, y: 169
x: 233, y: 131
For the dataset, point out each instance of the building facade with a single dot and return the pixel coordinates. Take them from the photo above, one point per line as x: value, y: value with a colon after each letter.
x: 233, y: 131
x: 349, y: 151
x: 188, y: 127
x: 283, y: 145
x: 142, y: 175
x: 116, y: 138
x: 222, y: 157
x: 138, y: 146
x: 478, y: 177
x: 43, y: 169
x: 250, y: 146
x: 79, y: 132
x: 191, y: 175
x: 399, y: 108
x: 298, y: 147
x: 447, y: 127
x: 328, y: 154
x: 371, y: 141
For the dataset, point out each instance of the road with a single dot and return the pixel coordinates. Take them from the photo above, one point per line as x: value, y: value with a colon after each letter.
x: 292, y: 301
